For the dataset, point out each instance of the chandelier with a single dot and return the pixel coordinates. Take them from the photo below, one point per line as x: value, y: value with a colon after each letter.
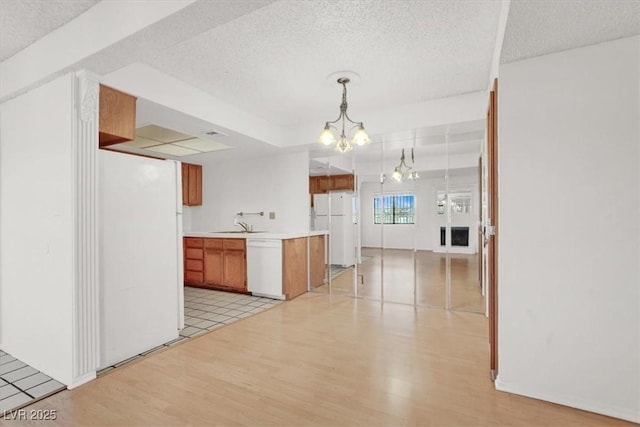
x: 403, y: 171
x: 327, y: 137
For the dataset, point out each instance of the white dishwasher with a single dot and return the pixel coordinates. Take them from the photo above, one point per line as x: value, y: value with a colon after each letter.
x: 264, y: 267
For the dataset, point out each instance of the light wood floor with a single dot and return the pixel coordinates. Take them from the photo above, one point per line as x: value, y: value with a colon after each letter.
x: 318, y: 360
x: 393, y: 280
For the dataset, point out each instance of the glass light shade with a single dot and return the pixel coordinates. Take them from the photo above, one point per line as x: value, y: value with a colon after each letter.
x: 361, y: 137
x: 397, y: 175
x: 343, y: 144
x: 326, y: 137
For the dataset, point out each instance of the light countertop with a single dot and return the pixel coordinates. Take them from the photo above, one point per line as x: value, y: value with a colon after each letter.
x: 255, y: 234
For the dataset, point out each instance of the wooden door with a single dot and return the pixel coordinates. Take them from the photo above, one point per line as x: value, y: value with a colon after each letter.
x: 480, y: 235
x: 235, y: 275
x: 492, y: 235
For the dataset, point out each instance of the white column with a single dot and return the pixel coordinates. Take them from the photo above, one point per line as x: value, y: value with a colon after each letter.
x: 85, y: 290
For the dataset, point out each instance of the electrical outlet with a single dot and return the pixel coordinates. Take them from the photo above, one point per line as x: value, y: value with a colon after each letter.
x: 272, y: 215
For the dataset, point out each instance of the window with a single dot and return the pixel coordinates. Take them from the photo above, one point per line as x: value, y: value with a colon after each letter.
x: 394, y: 209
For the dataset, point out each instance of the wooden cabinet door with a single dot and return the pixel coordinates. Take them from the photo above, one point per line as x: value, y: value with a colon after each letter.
x: 213, y: 266
x: 185, y: 184
x: 235, y: 269
x: 294, y: 267
x: 341, y: 182
x: 322, y: 184
x: 317, y: 264
x: 191, y: 184
x: 313, y: 185
x: 195, y: 185
x: 117, y: 112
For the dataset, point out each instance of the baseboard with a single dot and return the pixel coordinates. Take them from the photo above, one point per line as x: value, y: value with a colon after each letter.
x: 82, y: 380
x: 621, y: 413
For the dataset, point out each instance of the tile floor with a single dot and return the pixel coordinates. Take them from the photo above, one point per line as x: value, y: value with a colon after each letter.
x: 206, y: 310
x: 21, y: 384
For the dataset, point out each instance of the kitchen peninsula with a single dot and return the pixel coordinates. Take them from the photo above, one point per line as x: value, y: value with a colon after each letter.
x: 276, y: 265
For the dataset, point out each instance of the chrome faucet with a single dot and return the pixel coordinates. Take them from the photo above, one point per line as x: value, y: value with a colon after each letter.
x: 244, y: 225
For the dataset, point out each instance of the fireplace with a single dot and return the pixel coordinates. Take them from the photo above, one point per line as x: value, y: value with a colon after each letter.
x: 459, y: 236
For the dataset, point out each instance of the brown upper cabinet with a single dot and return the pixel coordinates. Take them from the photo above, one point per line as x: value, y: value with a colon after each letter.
x: 117, y: 117
x: 323, y: 183
x: 191, y: 184
x: 341, y: 182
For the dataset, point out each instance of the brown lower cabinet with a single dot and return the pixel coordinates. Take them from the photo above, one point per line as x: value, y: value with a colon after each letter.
x: 218, y: 263
x: 317, y: 265
x: 296, y: 264
x: 193, y: 260
x: 223, y: 264
x: 213, y: 262
x: 294, y: 267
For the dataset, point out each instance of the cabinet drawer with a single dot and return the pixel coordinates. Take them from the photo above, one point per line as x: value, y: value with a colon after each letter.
x: 194, y: 265
x: 237, y: 244
x: 193, y: 277
x: 193, y: 242
x: 192, y: 253
x: 213, y: 243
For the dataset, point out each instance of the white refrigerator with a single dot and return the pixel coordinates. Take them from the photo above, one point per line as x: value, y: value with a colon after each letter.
x: 335, y: 212
x: 141, y: 270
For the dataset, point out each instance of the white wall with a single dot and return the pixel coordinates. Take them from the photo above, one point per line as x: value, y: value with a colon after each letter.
x: 569, y: 242
x: 425, y: 234
x: 36, y: 225
x: 277, y: 184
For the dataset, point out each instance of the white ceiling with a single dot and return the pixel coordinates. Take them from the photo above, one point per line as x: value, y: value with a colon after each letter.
x: 271, y: 59
x: 274, y: 62
x: 22, y: 22
x: 539, y: 27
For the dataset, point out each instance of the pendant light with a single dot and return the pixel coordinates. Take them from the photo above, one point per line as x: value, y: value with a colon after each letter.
x: 327, y: 137
x: 403, y: 171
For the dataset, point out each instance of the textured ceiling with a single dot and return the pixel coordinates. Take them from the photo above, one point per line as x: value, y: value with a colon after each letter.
x: 152, y: 41
x: 274, y: 62
x: 272, y: 58
x: 539, y: 27
x: 23, y: 22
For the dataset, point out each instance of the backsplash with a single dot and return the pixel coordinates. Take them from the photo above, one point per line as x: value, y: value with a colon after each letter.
x: 186, y: 217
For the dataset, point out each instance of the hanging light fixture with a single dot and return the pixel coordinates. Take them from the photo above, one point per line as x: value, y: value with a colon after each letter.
x: 327, y: 137
x: 403, y: 171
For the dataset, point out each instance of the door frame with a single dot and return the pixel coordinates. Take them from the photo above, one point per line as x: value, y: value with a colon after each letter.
x: 491, y: 230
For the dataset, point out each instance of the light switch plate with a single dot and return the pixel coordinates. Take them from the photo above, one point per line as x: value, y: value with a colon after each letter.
x: 272, y: 215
